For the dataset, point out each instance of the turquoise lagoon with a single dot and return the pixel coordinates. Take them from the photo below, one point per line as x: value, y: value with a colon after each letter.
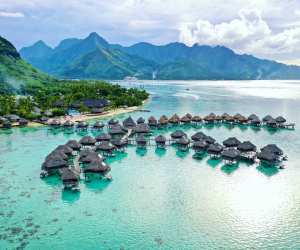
x: 162, y: 199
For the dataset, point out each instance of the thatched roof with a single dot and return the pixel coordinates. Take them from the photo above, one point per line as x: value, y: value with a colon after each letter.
x: 160, y: 139
x: 54, y: 163
x: 252, y: 117
x: 271, y: 122
x: 209, y: 140
x: 255, y: 121
x: 103, y: 137
x: 83, y: 153
x: 23, y: 122
x: 57, y: 154
x: 183, y: 141
x: 119, y: 142
x: 215, y: 148
x: 185, y: 119
x: 82, y: 124
x: 198, y: 136
x: 273, y: 148
x: 200, y: 145
x: 280, y: 119
x: 87, y: 140
x: 267, y: 156
x: 246, y: 146
x: 140, y: 120
x: 74, y: 144
x: 142, y: 128
x: 141, y: 140
x: 90, y: 157
x: 230, y: 154
x: 163, y: 120
x: 105, y: 146
x: 267, y: 118
x: 224, y: 116
x: 69, y: 175
x: 98, y: 125
x: 96, y: 103
x: 129, y: 122
x: 178, y: 134
x: 209, y: 118
x: 231, y: 142
x: 174, y: 119
x: 242, y: 119
x: 68, y: 124
x: 116, y: 130
x: 152, y: 121
x: 12, y: 118
x: 228, y: 118
x: 196, y: 118
x: 97, y: 167
x: 65, y: 148
x: 113, y: 122
x: 188, y: 115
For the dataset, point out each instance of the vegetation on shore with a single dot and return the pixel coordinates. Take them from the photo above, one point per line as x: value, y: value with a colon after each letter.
x: 29, y: 93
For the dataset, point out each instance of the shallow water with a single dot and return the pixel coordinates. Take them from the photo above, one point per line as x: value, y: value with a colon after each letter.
x: 161, y: 199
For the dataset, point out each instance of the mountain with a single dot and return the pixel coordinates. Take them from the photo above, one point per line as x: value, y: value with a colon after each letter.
x: 14, y: 71
x: 94, y: 57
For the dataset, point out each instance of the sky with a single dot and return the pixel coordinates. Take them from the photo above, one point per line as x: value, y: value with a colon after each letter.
x: 264, y: 28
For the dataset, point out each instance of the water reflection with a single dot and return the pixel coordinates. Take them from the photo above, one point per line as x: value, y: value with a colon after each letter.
x: 141, y: 151
x: 267, y: 171
x: 160, y: 152
x: 213, y: 162
x: 98, y: 185
x: 229, y: 169
x: 69, y: 196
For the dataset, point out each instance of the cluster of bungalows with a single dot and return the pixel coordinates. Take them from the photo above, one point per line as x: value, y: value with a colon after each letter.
x: 9, y: 121
x: 73, y: 158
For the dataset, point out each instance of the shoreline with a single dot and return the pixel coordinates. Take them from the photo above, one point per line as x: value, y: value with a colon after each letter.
x: 86, y: 117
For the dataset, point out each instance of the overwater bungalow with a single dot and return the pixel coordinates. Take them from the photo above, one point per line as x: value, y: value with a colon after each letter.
x: 200, y: 146
x: 103, y: 137
x: 228, y: 119
x: 230, y: 155
x: 280, y: 120
x: 87, y: 141
x: 52, y: 166
x: 183, y: 143
x: 112, y: 122
x: 185, y: 119
x: 175, y: 119
x: 224, y: 116
x: 188, y: 115
x: 247, y: 150
x: 106, y: 148
x: 252, y: 117
x: 98, y: 125
x: 196, y: 119
x: 82, y: 125
x: 141, y: 141
x: 152, y: 122
x: 142, y: 128
x: 218, y: 118
x: 140, y: 120
x: 75, y: 145
x: 68, y: 124
x: 271, y: 123
x: 89, y: 156
x: 160, y: 141
x: 66, y: 149
x: 273, y: 148
x: 96, y: 169
x: 23, y: 122
x: 119, y: 143
x: 70, y: 179
x: 163, y: 120
x: 267, y: 158
x: 57, y: 154
x: 198, y: 136
x: 231, y: 142
x: 210, y: 118
x: 129, y: 123
x: 242, y: 119
x: 255, y: 122
x: 214, y: 150
x: 178, y: 134
x: 267, y: 118
x: 116, y: 131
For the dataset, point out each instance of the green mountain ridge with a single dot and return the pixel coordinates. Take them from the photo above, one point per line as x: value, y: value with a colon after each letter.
x: 94, y: 58
x: 15, y: 72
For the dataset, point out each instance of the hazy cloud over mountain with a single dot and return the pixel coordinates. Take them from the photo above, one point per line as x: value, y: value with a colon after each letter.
x: 266, y: 28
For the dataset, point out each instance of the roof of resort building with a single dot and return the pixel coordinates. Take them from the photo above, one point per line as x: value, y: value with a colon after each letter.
x: 82, y: 124
x: 209, y: 140
x: 142, y: 128
x: 57, y: 154
x: 163, y: 120
x: 105, y: 146
x: 272, y: 148
x: 97, y: 110
x: 119, y: 142
x: 97, y: 167
x: 113, y: 121
x: 267, y: 156
x: 198, y: 136
x: 87, y: 140
x: 98, y: 125
x: 246, y: 146
x: 116, y: 130
x: 231, y: 142
x: 230, y: 154
x: 178, y: 134
x: 152, y: 120
x: 280, y: 119
x: 188, y: 115
x: 183, y: 141
x: 196, y: 118
x: 54, y: 163
x: 185, y: 119
x: 160, y: 139
x: 141, y: 139
x: 271, y: 122
x: 252, y: 117
x: 96, y: 103
x: 75, y: 145
x: 129, y: 122
x: 68, y: 175
x: 174, y: 119
x: 200, y: 145
x: 215, y: 148
x: 267, y: 117
x: 140, y: 120
x: 103, y: 137
x: 65, y: 148
x: 90, y: 157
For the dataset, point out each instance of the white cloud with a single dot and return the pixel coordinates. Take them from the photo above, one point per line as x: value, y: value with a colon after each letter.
x: 11, y: 14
